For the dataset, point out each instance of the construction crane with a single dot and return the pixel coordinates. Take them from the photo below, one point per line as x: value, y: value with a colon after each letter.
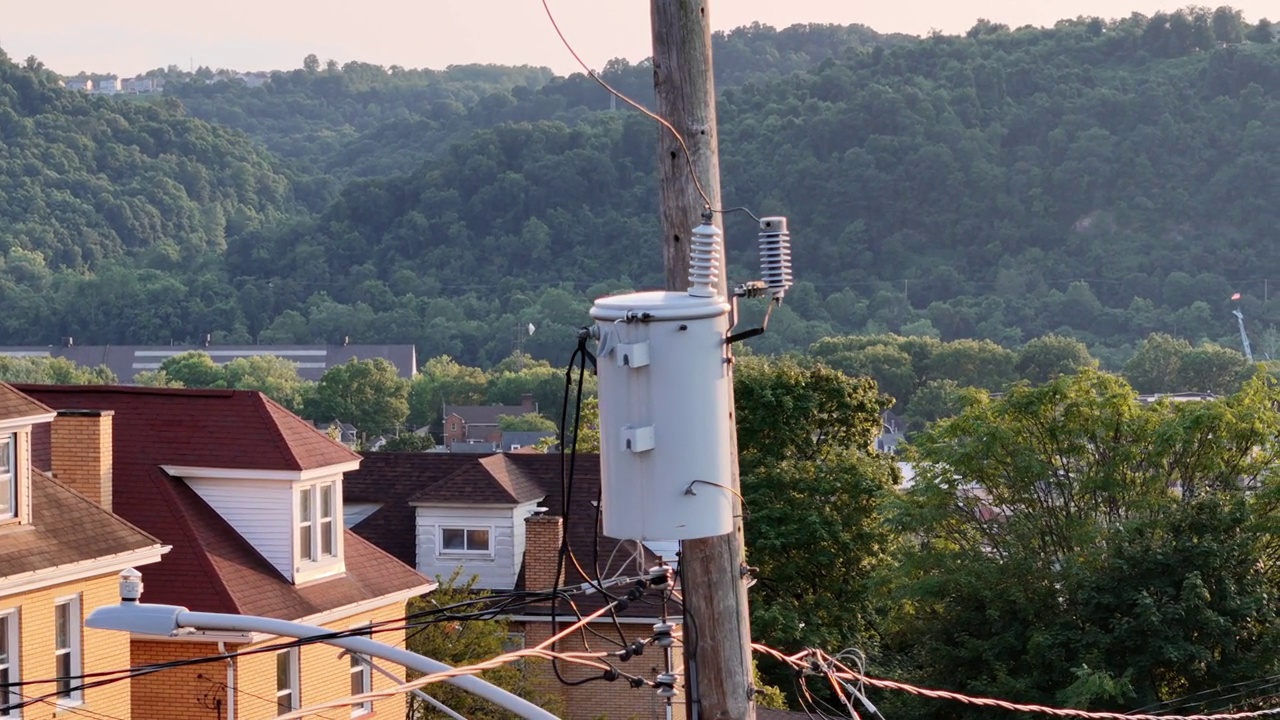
x: 1244, y: 336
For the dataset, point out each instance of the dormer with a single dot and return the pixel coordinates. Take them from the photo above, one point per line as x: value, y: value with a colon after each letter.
x: 293, y: 518
x: 18, y: 414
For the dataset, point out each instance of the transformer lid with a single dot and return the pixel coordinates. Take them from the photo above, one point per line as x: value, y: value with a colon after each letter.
x: 658, y: 305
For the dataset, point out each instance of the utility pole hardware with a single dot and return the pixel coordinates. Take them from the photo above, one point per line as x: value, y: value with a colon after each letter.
x: 719, y: 679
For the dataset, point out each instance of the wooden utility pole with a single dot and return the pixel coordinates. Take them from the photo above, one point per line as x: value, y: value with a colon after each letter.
x: 719, y: 683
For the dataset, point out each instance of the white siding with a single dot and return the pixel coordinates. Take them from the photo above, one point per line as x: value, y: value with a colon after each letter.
x: 496, y: 570
x: 260, y: 510
x: 355, y: 512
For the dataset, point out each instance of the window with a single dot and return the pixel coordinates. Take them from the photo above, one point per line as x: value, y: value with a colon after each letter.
x: 361, y: 679
x: 9, y: 674
x: 287, y: 674
x: 464, y: 540
x: 328, y: 544
x: 66, y: 620
x: 8, y: 479
x: 306, y: 538
x: 317, y: 526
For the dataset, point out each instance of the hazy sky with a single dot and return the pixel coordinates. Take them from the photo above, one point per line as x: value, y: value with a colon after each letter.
x: 129, y: 37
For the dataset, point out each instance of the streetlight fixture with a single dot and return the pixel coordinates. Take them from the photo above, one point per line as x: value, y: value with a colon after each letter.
x: 133, y: 616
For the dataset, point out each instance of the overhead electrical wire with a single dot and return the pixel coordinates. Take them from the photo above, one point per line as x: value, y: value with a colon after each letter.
x: 818, y: 662
x: 684, y: 146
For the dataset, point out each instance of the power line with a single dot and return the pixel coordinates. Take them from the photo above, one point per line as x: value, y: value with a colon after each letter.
x: 688, y: 156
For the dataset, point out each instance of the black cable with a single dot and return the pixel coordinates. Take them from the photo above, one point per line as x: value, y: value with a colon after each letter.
x: 684, y: 146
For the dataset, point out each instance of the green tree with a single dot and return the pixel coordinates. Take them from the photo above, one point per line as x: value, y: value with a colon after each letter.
x: 1049, y: 356
x: 409, y: 442
x: 276, y: 377
x: 1071, y: 519
x: 194, y: 369
x: 52, y: 371
x: 935, y: 400
x: 465, y: 643
x: 369, y: 394
x: 1155, y: 367
x: 528, y: 422
x: 815, y: 495
x: 156, y: 378
x: 1213, y: 369
x: 440, y: 381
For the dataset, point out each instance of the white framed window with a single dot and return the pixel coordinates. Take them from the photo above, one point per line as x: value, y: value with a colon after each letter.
x: 318, y: 528
x: 466, y: 540
x: 288, y: 680
x: 306, y: 524
x: 66, y: 650
x: 361, y: 679
x: 327, y: 528
x: 8, y: 478
x: 10, y: 673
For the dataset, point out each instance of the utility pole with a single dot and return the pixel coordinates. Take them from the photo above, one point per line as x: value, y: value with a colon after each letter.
x: 719, y: 682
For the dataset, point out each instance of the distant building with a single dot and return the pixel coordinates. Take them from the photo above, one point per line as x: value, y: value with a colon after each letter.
x: 479, y: 423
x: 138, y: 85
x: 107, y: 85
x: 80, y: 84
x: 255, y: 79
x: 126, y: 361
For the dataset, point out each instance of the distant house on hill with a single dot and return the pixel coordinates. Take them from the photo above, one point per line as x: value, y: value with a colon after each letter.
x: 479, y: 423
x: 79, y: 84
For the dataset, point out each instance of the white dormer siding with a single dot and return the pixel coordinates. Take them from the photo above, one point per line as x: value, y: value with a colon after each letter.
x: 448, y: 535
x: 272, y: 509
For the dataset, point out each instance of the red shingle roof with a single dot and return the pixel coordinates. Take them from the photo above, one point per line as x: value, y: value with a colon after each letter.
x: 212, y: 567
x: 14, y: 405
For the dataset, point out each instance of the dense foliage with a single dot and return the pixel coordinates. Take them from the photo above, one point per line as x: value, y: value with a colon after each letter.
x: 1076, y: 547
x: 1100, y: 179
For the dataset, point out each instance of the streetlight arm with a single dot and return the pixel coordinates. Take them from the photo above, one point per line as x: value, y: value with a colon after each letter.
x: 168, y: 620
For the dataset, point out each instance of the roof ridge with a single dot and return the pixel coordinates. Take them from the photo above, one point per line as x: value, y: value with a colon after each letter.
x: 277, y: 432
x: 85, y: 499
x: 504, y: 481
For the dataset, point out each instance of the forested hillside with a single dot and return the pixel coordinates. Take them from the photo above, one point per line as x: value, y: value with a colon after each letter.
x: 1101, y: 179
x: 360, y: 120
x: 86, y: 179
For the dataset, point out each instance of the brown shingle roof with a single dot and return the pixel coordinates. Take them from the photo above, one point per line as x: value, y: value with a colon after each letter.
x: 398, y: 479
x: 211, y: 566
x: 66, y: 528
x: 491, y: 480
x: 15, y: 405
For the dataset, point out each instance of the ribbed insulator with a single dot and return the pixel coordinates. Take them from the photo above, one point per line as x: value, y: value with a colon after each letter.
x: 775, y: 255
x: 704, y: 261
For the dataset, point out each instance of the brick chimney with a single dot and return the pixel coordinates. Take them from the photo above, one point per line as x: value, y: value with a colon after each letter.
x: 80, y: 452
x: 527, y: 404
x: 542, y: 535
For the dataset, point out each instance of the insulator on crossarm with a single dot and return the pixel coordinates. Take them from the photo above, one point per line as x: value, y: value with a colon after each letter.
x: 775, y: 255
x: 704, y: 261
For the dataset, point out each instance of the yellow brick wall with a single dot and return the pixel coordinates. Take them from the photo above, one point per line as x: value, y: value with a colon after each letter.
x: 608, y: 700
x: 199, y: 692
x: 81, y: 454
x: 100, y: 649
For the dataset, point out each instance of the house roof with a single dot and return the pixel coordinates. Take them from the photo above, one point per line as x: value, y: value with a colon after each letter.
x: 491, y: 480
x: 211, y: 566
x: 240, y: 429
x: 66, y: 528
x: 483, y: 414
x: 771, y: 714
x: 400, y: 480
x: 14, y: 405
